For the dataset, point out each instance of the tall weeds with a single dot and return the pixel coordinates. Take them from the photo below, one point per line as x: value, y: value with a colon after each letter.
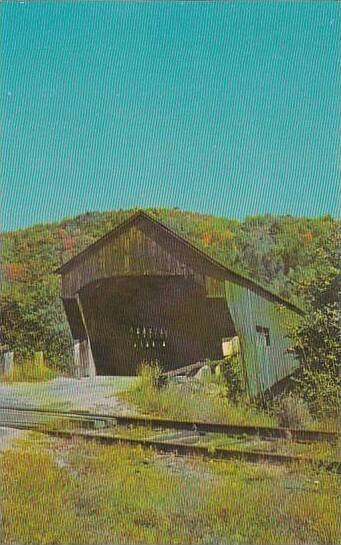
x: 29, y: 371
x: 191, y: 400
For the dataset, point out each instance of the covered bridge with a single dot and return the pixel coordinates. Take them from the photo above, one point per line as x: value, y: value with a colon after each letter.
x: 142, y: 292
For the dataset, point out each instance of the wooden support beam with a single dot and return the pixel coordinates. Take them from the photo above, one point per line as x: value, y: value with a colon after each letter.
x: 83, y: 357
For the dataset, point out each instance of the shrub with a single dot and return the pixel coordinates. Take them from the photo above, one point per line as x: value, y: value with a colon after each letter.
x: 315, y: 339
x: 292, y: 412
x: 149, y: 375
x: 316, y: 344
x: 232, y: 374
x: 320, y: 390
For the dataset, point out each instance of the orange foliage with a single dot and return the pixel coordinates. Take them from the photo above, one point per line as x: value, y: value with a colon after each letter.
x: 68, y: 243
x: 220, y: 237
x: 308, y: 237
x: 61, y: 233
x: 207, y: 239
x: 14, y: 271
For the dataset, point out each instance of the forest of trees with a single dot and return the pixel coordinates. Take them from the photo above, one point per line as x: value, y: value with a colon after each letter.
x: 294, y: 257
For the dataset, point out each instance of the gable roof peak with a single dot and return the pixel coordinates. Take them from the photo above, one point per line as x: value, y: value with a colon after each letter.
x: 233, y: 275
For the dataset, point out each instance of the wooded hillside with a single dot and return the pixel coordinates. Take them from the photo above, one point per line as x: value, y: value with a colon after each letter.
x: 280, y: 252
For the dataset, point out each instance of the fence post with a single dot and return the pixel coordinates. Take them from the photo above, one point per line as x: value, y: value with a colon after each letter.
x: 39, y: 358
x: 8, y: 362
x: 77, y: 363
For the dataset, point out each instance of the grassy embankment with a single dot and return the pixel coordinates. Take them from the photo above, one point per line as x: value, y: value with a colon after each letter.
x: 209, y: 401
x: 57, y: 493
x: 205, y: 402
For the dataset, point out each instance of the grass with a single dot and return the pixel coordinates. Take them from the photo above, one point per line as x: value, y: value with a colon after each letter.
x: 325, y: 423
x: 191, y: 402
x: 52, y: 492
x: 319, y: 450
x: 30, y: 371
x: 205, y: 401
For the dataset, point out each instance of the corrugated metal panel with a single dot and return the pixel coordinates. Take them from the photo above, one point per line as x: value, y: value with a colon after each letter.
x: 265, y: 365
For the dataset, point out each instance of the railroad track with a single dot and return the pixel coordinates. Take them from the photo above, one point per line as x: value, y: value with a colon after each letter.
x: 193, y: 450
x: 95, y: 421
x: 266, y: 432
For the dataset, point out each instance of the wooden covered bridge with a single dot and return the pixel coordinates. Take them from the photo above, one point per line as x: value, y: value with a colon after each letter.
x: 142, y: 292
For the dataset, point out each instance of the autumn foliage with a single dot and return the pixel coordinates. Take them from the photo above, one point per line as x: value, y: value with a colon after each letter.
x: 14, y: 271
x: 281, y: 252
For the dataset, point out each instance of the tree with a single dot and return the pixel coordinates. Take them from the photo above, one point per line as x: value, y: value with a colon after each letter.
x: 316, y: 337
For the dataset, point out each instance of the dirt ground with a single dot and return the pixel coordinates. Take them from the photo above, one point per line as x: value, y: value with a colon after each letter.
x: 93, y: 394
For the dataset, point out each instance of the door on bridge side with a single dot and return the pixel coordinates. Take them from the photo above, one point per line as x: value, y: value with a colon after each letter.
x: 263, y: 342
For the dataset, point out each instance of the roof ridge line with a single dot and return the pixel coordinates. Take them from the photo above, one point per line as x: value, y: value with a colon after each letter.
x: 142, y: 213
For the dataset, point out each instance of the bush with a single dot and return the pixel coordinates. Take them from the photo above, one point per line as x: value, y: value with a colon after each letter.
x: 292, y: 412
x: 29, y: 371
x: 320, y: 390
x: 316, y: 344
x: 315, y: 339
x: 149, y: 375
x: 231, y: 373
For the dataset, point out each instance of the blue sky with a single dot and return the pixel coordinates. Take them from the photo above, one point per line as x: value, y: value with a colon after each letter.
x: 228, y: 108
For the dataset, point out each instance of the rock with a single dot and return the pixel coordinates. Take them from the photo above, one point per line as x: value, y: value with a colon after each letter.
x: 203, y: 372
x: 218, y: 370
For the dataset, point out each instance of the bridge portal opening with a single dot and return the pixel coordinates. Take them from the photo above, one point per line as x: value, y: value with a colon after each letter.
x: 168, y: 319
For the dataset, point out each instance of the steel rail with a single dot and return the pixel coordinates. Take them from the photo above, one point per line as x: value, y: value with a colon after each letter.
x: 185, y: 449
x: 293, y: 434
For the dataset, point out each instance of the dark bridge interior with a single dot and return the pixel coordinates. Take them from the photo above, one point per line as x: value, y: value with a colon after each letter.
x: 146, y: 318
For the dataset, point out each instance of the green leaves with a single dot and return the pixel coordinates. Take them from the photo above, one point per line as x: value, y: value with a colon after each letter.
x: 316, y: 338
x: 295, y: 257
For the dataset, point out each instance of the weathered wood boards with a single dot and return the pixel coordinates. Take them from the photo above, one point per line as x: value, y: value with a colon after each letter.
x: 83, y: 360
x: 137, y: 253
x: 6, y: 362
x: 143, y: 275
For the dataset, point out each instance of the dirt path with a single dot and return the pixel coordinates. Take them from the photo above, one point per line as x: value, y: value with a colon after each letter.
x: 93, y: 394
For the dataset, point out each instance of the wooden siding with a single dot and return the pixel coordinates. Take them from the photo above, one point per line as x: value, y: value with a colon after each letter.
x: 84, y: 365
x: 141, y: 250
x: 249, y: 310
x: 74, y: 317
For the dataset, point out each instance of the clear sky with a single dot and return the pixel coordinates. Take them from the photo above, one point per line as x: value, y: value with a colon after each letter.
x: 228, y: 108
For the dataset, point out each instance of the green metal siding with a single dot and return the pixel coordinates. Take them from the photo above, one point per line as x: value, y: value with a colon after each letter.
x: 264, y: 367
